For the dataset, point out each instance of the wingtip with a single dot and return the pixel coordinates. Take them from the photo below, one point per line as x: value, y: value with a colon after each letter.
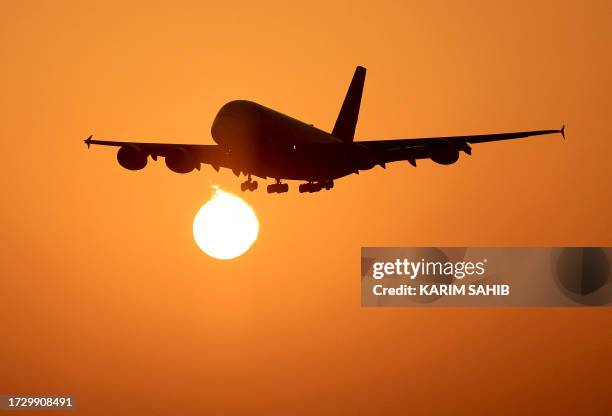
x: 88, y: 140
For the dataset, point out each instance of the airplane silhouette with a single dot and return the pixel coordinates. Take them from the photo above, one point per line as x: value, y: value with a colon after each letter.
x: 257, y: 141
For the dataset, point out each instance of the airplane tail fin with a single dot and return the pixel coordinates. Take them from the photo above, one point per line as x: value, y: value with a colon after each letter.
x: 344, y: 129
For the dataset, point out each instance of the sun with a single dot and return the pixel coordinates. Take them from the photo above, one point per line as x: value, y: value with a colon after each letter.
x: 226, y: 226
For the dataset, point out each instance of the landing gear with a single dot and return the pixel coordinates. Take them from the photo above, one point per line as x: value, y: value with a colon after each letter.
x: 278, y: 187
x: 249, y: 185
x: 309, y: 187
x: 316, y: 186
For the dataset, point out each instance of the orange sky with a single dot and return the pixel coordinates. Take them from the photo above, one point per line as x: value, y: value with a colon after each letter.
x: 104, y: 294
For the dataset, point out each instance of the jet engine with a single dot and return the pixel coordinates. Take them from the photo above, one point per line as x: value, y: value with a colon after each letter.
x: 179, y: 160
x: 132, y: 157
x: 445, y: 153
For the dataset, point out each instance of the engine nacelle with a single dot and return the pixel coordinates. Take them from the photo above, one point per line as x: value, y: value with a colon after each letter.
x: 445, y: 153
x: 179, y: 160
x: 132, y: 157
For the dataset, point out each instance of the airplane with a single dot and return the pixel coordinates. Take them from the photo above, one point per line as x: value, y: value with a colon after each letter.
x: 257, y: 141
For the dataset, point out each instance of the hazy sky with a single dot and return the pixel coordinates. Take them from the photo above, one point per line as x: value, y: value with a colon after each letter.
x: 104, y: 294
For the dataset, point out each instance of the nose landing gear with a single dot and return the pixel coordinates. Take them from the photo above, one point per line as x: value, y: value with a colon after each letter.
x: 248, y: 185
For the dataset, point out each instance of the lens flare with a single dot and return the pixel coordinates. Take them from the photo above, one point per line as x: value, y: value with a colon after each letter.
x: 226, y: 226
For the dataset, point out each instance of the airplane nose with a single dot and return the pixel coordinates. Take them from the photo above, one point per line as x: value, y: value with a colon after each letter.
x: 236, y: 122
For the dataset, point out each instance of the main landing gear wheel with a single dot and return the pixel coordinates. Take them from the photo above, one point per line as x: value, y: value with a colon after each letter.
x: 278, y: 188
x: 316, y: 186
x: 249, y: 185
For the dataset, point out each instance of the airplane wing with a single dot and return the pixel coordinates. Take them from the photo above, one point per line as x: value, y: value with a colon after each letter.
x: 158, y: 148
x: 444, y: 150
x: 180, y: 157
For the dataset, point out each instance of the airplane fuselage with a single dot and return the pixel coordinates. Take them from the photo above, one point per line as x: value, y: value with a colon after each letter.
x: 267, y: 143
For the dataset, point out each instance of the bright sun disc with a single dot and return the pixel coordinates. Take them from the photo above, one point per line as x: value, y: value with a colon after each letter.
x: 225, y: 227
